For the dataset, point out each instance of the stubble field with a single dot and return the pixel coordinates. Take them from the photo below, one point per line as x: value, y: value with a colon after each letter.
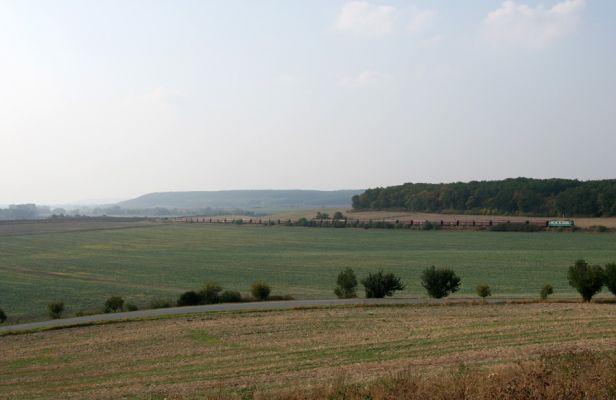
x: 248, y: 352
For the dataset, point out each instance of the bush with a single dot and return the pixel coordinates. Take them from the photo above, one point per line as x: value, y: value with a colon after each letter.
x: 338, y: 215
x: 161, y: 303
x: 55, y: 309
x: 483, y: 291
x: 209, y: 293
x: 587, y: 279
x: 378, y: 285
x: 260, y: 290
x: 440, y: 282
x: 346, y: 284
x: 113, y: 304
x: 190, y: 298
x: 2, y: 316
x: 610, y: 277
x: 230, y: 296
x: 546, y: 290
x: 131, y: 307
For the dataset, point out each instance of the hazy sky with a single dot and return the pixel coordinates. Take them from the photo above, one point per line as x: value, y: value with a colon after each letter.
x: 112, y: 99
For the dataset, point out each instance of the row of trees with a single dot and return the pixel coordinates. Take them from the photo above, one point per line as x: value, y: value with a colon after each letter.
x: 587, y: 279
x: 520, y: 196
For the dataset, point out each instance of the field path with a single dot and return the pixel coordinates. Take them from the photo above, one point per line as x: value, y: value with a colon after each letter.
x: 250, y: 306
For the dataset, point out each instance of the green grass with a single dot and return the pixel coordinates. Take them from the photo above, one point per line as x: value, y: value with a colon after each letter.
x: 84, y: 268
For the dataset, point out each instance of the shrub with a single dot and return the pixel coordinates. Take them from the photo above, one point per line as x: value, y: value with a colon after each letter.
x: 586, y: 279
x: 378, y: 285
x: 483, y: 291
x: 610, y: 277
x: 113, y: 304
x: 55, y: 309
x: 260, y: 290
x: 157, y: 302
x: 546, y: 290
x: 346, y: 284
x: 2, y: 316
x: 131, y: 307
x: 338, y: 215
x: 440, y: 282
x: 230, y: 296
x: 190, y: 298
x: 209, y: 293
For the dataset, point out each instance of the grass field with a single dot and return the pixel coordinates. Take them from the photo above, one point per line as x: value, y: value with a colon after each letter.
x: 84, y: 268
x: 189, y: 357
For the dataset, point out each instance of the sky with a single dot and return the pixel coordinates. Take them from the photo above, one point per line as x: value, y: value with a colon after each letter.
x: 103, y: 100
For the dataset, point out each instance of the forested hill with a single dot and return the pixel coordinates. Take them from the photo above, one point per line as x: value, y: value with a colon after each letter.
x: 521, y: 196
x: 254, y: 200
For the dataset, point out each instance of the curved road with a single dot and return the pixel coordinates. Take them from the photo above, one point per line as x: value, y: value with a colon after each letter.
x: 252, y: 306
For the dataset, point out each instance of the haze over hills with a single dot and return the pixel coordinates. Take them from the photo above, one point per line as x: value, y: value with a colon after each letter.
x: 251, y: 200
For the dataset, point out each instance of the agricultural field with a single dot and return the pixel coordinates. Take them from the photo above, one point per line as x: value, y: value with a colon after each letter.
x: 83, y: 268
x: 269, y: 352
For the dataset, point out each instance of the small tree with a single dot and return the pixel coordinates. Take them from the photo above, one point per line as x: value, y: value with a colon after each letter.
x: 260, y: 290
x: 131, y: 307
x: 483, y: 291
x: 190, y: 298
x: 209, y: 293
x: 586, y: 279
x: 114, y: 303
x: 2, y: 316
x: 55, y: 309
x: 546, y: 290
x: 338, y: 215
x: 378, y: 285
x: 610, y: 277
x: 346, y: 284
x: 440, y: 282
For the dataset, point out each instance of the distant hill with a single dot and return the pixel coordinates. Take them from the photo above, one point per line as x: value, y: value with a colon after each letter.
x: 249, y: 200
x: 519, y: 196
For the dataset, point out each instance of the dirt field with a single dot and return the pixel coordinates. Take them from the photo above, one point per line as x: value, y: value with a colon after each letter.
x: 190, y: 357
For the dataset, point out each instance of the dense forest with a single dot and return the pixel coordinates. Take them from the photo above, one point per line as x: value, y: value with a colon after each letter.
x: 520, y: 196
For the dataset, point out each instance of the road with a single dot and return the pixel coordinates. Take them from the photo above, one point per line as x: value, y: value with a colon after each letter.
x: 252, y: 306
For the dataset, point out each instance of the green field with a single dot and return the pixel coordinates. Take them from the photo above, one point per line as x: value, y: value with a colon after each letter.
x: 84, y: 268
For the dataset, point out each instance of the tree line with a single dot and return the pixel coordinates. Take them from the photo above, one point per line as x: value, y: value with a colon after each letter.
x: 519, y: 196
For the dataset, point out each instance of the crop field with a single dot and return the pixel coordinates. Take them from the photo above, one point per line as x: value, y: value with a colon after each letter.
x: 193, y: 356
x: 84, y: 268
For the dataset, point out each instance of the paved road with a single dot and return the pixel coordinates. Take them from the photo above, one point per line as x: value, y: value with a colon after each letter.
x: 254, y: 306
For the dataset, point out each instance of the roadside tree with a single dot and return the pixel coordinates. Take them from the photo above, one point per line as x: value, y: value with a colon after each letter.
x: 483, y: 291
x: 114, y: 304
x: 378, y: 285
x: 440, y: 282
x: 587, y: 279
x: 346, y: 284
x: 260, y: 290
x: 610, y: 277
x: 55, y: 309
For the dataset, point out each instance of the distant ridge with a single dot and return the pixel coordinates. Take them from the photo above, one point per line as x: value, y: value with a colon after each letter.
x: 266, y: 200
